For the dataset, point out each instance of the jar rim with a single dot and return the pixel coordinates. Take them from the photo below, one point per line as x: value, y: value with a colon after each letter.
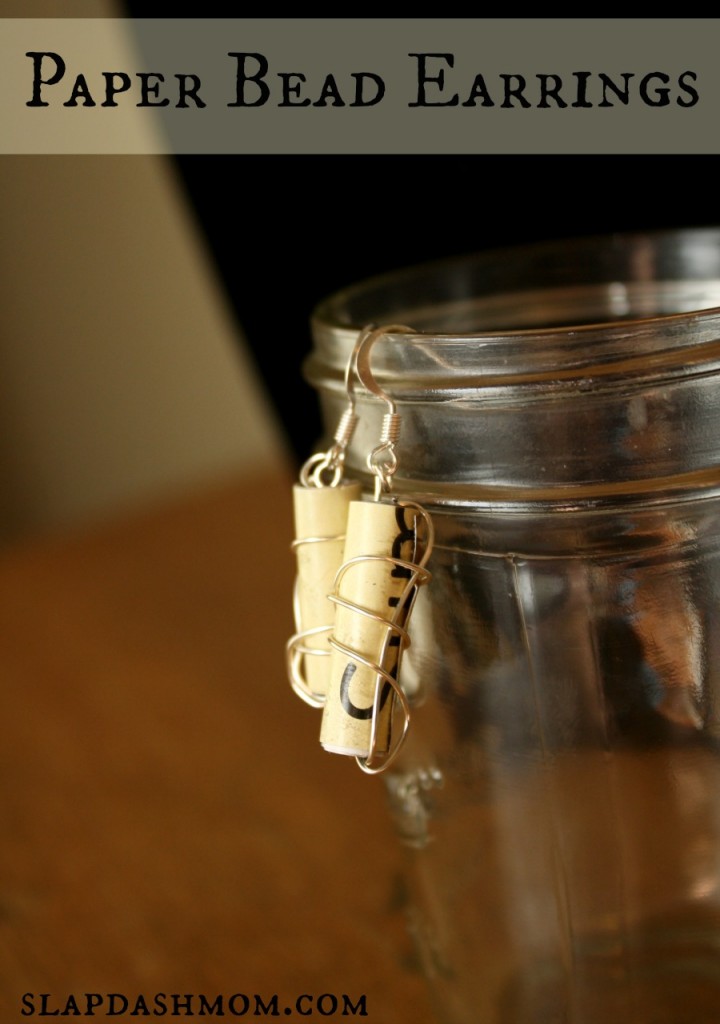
x: 566, y: 258
x: 565, y: 405
x: 577, y: 304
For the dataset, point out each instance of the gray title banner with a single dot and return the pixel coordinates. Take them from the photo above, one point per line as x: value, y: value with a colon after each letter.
x: 311, y: 85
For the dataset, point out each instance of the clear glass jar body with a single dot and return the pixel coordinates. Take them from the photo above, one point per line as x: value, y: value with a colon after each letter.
x: 559, y: 791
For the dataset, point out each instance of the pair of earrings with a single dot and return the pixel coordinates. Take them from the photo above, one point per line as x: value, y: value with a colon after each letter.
x: 359, y: 567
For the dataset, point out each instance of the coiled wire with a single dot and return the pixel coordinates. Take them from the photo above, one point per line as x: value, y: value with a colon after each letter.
x: 298, y: 647
x: 396, y: 625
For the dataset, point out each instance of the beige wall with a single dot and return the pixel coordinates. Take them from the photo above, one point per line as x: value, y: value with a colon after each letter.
x: 123, y: 377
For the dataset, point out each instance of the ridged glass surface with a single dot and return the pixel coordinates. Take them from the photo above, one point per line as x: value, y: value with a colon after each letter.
x: 559, y: 792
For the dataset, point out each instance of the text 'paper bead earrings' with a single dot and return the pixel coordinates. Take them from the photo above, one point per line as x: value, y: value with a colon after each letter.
x: 353, y: 602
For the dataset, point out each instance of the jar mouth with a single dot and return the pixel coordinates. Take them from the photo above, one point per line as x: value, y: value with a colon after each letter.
x: 570, y: 307
x: 572, y: 367
x: 559, y: 285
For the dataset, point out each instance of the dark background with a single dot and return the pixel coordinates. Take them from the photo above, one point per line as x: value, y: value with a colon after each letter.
x: 286, y: 231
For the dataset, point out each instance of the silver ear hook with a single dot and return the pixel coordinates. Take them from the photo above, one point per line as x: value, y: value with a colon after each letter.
x: 382, y: 460
x: 325, y: 469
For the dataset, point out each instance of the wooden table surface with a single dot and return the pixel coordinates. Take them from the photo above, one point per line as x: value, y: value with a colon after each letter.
x: 168, y: 822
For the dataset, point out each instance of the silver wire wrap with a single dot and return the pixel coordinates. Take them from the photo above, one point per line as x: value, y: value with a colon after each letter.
x: 297, y: 647
x: 396, y: 625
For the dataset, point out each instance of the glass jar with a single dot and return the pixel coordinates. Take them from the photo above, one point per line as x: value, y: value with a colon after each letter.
x: 559, y: 790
